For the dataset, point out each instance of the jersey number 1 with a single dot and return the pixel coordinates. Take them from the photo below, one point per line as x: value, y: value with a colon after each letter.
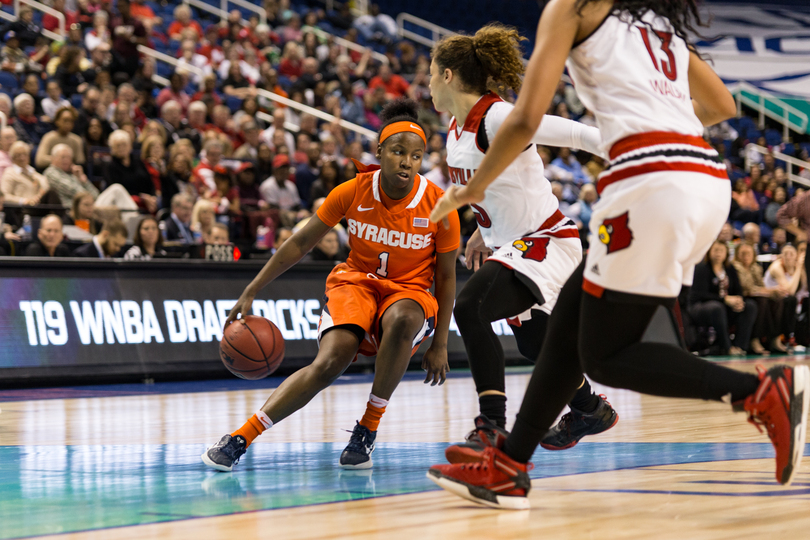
x: 667, y: 66
x: 383, y: 269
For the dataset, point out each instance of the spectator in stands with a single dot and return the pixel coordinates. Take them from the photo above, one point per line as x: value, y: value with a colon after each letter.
x: 82, y: 213
x: 223, y: 124
x: 129, y: 171
x: 91, y: 102
x: 279, y: 118
x: 69, y: 75
x: 751, y: 234
x: 175, y: 125
x: 794, y: 216
x: 203, y: 174
x: 29, y: 128
x: 148, y: 242
x: 557, y: 191
x: 54, y: 100
x: 183, y: 21
x: 291, y: 65
x: 778, y: 199
x: 217, y: 235
x: 784, y: 277
x: 394, y: 85
x: 65, y: 177
x: 14, y: 58
x: 203, y: 217
x: 716, y: 300
x: 175, y: 92
x: 236, y: 85
x: 7, y: 137
x: 128, y: 32
x: 582, y: 209
x: 753, y: 287
x: 177, y: 179
x: 326, y: 182
x: 24, y: 28
x: 22, y: 184
x: 568, y: 162
x: 250, y: 198
x: 327, y: 249
x: 153, y: 155
x: 63, y: 120
x: 226, y: 195
x: 376, y: 26
x: 31, y: 87
x: 49, y: 239
x: 249, y: 150
x: 99, y: 33
x: 279, y: 191
x: 144, y: 13
x: 177, y: 226
x: 744, y: 207
x: 106, y: 244
x: 307, y: 173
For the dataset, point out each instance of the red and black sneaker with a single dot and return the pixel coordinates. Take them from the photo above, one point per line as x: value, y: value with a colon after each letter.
x: 486, y: 433
x: 780, y: 404
x: 496, y: 480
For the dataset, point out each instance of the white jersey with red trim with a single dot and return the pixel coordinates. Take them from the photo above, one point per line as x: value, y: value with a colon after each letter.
x: 634, y: 77
x: 519, y: 201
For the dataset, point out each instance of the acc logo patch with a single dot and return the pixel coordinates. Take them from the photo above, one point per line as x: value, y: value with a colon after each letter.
x: 615, y: 233
x: 532, y: 248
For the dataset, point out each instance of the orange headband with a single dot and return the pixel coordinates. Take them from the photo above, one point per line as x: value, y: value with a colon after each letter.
x: 402, y: 127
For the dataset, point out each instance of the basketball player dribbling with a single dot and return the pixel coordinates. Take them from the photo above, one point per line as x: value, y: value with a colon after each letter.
x: 536, y: 248
x: 377, y: 302
x: 664, y: 199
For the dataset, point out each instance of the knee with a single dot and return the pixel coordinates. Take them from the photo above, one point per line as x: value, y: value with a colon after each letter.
x: 327, y: 368
x: 403, y: 324
x: 751, y: 306
x: 466, y: 309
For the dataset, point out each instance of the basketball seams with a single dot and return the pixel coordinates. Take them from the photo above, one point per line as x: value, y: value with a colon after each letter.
x: 258, y: 342
x: 228, y: 341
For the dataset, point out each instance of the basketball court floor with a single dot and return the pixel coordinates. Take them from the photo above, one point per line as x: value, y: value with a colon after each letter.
x: 123, y: 462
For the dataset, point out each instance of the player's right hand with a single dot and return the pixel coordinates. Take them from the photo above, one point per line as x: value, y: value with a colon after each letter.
x: 242, y: 307
x: 476, y: 251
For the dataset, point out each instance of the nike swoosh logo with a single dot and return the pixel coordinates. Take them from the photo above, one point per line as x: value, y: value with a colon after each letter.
x: 361, y: 209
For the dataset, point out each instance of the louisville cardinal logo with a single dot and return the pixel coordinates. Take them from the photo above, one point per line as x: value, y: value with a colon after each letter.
x: 532, y: 248
x: 615, y: 233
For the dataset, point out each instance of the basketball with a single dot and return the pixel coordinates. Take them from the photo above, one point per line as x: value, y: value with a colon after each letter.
x: 252, y: 348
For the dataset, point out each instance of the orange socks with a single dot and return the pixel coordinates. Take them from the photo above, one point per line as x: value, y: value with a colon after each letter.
x: 254, y: 427
x: 374, y: 411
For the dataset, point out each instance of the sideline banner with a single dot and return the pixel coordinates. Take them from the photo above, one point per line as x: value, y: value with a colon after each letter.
x: 104, y: 318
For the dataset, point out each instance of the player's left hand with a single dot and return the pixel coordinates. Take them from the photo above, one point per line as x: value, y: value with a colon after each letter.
x: 435, y: 363
x: 455, y: 197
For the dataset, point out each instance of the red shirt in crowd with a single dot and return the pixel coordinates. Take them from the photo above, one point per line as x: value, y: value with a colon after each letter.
x: 396, y: 85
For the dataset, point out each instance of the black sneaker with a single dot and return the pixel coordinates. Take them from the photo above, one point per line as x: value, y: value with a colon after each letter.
x: 226, y: 453
x: 577, y: 424
x: 470, y: 450
x: 357, y: 454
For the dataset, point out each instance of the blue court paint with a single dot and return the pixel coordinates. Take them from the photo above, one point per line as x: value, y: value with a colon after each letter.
x: 59, y: 489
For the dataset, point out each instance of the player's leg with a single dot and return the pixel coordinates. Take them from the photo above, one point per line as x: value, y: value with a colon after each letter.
x: 590, y: 414
x: 399, y: 327
x: 553, y: 383
x: 338, y: 348
x: 493, y: 293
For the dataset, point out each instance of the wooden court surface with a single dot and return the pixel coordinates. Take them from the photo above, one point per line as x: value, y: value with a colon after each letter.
x: 128, y: 467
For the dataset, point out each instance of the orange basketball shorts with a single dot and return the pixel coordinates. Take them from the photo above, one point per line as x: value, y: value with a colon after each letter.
x: 361, y: 299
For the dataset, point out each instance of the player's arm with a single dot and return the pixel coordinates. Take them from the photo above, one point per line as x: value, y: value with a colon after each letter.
x: 556, y: 33
x: 711, y: 99
x: 435, y: 359
x: 562, y: 132
x: 290, y: 252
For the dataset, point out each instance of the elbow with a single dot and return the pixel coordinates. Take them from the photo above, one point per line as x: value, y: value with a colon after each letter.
x: 728, y: 108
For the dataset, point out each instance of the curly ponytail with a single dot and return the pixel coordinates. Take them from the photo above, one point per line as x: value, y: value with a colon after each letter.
x: 490, y: 58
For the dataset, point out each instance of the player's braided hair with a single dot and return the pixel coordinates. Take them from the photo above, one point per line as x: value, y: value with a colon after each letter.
x: 682, y: 14
x: 490, y: 58
x: 400, y: 110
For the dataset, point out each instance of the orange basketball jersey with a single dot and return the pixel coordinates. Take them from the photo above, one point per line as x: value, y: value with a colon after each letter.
x: 392, y: 239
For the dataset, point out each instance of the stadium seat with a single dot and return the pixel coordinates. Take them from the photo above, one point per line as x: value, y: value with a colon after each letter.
x: 773, y: 137
x: 233, y: 103
x: 8, y: 82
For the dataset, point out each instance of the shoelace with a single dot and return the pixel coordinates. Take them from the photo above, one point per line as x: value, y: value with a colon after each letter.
x: 232, y: 450
x: 356, y: 442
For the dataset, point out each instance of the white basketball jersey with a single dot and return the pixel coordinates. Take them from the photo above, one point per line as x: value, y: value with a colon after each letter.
x: 634, y: 77
x: 519, y: 201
